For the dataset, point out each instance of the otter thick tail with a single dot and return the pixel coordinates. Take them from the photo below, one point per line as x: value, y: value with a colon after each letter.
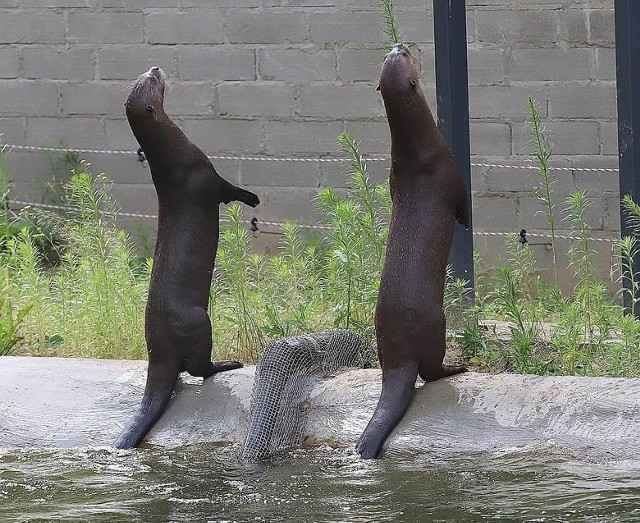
x: 157, y: 393
x: 236, y: 194
x: 398, y: 389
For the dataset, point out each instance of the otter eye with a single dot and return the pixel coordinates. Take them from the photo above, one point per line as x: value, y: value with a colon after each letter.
x: 149, y: 108
x: 413, y: 82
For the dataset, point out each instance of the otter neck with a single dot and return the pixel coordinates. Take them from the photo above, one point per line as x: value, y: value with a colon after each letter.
x: 157, y: 137
x: 413, y: 130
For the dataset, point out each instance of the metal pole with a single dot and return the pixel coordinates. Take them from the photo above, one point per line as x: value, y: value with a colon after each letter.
x: 450, y: 28
x: 627, y: 20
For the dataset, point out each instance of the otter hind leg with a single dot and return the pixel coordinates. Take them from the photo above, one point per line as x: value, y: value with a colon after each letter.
x: 398, y: 387
x: 442, y: 372
x: 222, y: 366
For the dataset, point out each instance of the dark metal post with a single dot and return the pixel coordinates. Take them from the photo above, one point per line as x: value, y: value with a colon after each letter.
x: 627, y: 20
x: 450, y: 25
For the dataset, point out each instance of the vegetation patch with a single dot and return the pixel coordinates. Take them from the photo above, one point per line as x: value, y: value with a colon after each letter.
x: 71, y: 285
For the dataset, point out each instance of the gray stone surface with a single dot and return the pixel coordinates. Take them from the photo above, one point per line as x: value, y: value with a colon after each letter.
x: 50, y: 402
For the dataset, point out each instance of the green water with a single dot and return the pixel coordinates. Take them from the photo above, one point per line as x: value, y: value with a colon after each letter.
x: 204, y: 483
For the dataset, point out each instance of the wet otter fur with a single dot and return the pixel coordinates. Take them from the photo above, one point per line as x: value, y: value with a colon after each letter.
x: 428, y: 195
x: 177, y: 325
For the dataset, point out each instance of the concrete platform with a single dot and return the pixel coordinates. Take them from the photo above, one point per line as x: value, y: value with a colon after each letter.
x: 53, y: 402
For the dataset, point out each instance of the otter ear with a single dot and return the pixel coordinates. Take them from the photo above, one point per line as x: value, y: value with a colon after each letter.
x: 149, y: 108
x: 413, y: 82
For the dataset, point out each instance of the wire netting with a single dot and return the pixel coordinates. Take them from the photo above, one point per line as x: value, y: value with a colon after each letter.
x: 284, y: 378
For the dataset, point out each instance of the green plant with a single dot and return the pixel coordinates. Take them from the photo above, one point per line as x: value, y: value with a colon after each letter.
x: 10, y: 320
x: 391, y: 27
x: 92, y: 303
x: 543, y: 191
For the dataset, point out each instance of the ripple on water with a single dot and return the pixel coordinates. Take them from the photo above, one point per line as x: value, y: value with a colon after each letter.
x: 209, y: 483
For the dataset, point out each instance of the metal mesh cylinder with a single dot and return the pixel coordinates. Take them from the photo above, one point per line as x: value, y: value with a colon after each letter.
x: 285, y: 375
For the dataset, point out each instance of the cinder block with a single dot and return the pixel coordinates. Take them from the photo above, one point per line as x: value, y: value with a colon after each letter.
x: 573, y: 137
x: 228, y: 169
x: 602, y: 26
x: 426, y: 62
x: 127, y: 63
x: 583, y: 101
x: 248, y: 27
x: 8, y: 62
x: 69, y: 132
x: 189, y: 99
x: 303, y: 137
x: 335, y: 174
x: 220, y: 3
x: 340, y: 101
x: 612, y: 212
x: 532, y: 214
x: 30, y: 192
x: 373, y: 137
x: 504, y: 180
x: 494, y: 213
x: 416, y: 25
x: 93, y: 98
x: 58, y: 63
x: 486, y: 66
x: 217, y: 135
x: 296, y: 65
x: 28, y: 166
x: 279, y: 204
x: 499, y: 101
x: 360, y: 64
x: 574, y: 26
x: 28, y: 98
x: 597, y: 183
x: 298, y: 3
x: 338, y: 174
x: 128, y: 5
x: 105, y: 27
x: 135, y: 198
x: 256, y: 98
x: 54, y: 3
x: 121, y: 169
x: 490, y: 138
x: 609, y: 138
x: 32, y: 27
x: 605, y: 64
x: 119, y: 135
x: 511, y: 26
x: 196, y: 26
x: 216, y: 63
x: 549, y: 64
x: 346, y: 27
x: 12, y: 130
x: 280, y: 174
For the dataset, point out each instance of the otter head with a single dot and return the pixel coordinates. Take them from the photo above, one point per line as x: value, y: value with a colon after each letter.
x: 147, y: 96
x: 399, y: 74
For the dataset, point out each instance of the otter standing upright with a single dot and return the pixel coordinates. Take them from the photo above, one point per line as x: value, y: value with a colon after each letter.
x: 177, y: 325
x: 428, y: 195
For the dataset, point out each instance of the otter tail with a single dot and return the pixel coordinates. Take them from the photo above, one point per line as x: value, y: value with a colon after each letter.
x: 398, y: 388
x: 236, y: 194
x: 157, y: 393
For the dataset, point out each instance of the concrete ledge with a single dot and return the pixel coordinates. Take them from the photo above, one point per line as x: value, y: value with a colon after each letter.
x: 52, y: 402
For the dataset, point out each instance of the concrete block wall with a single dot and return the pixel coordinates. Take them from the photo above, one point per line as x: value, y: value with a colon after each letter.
x: 284, y: 77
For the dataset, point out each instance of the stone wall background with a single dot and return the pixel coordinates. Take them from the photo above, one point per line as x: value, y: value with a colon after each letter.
x: 284, y: 78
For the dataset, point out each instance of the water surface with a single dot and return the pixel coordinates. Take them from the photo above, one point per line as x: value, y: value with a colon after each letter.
x: 207, y: 483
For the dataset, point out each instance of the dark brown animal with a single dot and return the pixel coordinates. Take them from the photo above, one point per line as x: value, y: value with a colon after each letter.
x: 428, y: 195
x: 177, y: 326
